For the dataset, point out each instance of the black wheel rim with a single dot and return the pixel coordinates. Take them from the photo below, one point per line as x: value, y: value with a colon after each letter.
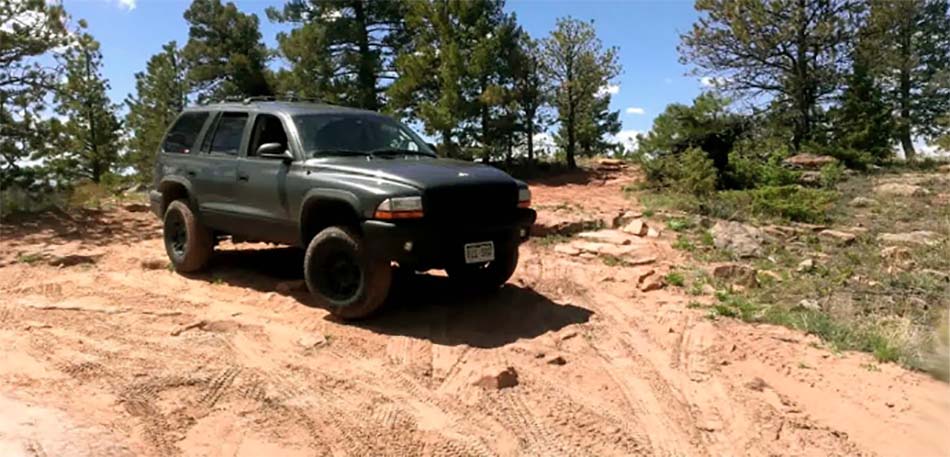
x: 176, y: 235
x: 338, y: 275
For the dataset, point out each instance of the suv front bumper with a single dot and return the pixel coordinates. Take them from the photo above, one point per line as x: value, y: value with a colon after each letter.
x: 421, y: 246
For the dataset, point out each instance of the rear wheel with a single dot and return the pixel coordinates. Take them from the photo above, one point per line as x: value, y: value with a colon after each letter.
x: 342, y: 277
x: 487, y: 276
x: 188, y: 243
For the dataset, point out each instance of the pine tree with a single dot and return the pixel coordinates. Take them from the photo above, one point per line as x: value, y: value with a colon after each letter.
x: 530, y: 90
x: 597, y: 125
x: 161, y: 94
x: 579, y: 67
x: 792, y: 50
x: 224, y: 53
x: 862, y: 121
x: 89, y: 140
x: 909, y: 46
x: 341, y: 51
x: 30, y: 31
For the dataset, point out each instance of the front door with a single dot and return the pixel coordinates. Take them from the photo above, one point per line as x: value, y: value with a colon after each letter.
x: 261, y: 190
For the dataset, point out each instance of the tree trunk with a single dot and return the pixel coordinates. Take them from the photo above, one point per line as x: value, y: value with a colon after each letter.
x: 530, y: 140
x: 448, y: 149
x: 904, y: 126
x: 366, y: 73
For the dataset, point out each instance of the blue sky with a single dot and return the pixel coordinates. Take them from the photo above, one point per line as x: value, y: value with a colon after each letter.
x: 646, y: 33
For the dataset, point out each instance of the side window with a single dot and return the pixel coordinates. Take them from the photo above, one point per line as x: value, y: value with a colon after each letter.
x: 181, y: 138
x: 267, y: 129
x: 228, y: 134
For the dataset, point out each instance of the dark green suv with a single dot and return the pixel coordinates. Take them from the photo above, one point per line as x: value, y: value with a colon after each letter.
x: 357, y: 189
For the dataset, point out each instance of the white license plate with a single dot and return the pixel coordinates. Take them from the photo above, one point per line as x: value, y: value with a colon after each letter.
x: 479, y: 252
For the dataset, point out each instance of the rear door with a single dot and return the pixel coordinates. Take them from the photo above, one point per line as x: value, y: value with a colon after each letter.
x: 216, y: 179
x: 262, y: 184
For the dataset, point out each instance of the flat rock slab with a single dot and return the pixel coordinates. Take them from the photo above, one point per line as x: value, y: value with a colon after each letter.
x: 564, y: 223
x: 895, y: 189
x: 608, y: 236
x: 919, y: 237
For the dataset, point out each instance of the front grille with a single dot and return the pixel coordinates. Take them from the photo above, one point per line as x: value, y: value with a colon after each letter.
x: 473, y: 205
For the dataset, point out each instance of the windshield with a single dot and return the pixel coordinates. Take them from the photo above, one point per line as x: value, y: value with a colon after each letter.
x: 342, y: 133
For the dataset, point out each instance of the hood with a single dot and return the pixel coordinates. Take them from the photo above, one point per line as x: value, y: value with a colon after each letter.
x: 419, y: 172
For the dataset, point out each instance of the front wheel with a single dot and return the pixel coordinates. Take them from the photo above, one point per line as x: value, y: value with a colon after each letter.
x: 342, y: 277
x: 487, y: 276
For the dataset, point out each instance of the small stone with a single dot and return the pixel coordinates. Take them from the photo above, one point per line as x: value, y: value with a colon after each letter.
x: 502, y: 380
x: 636, y: 227
x: 708, y: 289
x: 652, y: 283
x: 919, y: 237
x: 809, y: 304
x: 806, y: 265
x: 757, y: 384
x: 556, y: 360
x: 895, y: 189
x: 653, y: 233
x: 771, y: 275
x: 567, y: 249
x: 624, y: 218
x: 312, y: 341
x: 153, y: 264
x: 287, y: 287
x: 735, y: 273
x: 837, y: 236
x: 863, y: 202
x: 642, y: 275
x: 606, y: 236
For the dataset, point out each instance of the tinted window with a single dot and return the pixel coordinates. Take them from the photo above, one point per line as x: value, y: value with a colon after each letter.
x: 267, y: 129
x: 321, y: 133
x: 227, y: 136
x: 181, y: 138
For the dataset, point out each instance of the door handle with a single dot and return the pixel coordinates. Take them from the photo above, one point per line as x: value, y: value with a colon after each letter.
x: 242, y: 177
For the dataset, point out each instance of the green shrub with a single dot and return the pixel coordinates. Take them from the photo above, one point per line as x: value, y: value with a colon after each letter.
x: 794, y: 203
x: 831, y: 175
x: 691, y: 172
x: 748, y: 172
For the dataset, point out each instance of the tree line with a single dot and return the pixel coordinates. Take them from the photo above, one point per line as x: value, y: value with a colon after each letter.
x: 464, y: 71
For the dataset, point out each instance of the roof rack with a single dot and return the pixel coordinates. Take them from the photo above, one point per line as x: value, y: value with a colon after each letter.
x: 288, y: 97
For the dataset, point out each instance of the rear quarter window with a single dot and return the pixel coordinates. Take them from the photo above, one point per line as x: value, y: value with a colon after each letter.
x: 182, y: 136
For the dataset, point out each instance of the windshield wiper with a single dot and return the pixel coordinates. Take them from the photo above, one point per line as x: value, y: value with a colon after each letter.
x: 398, y: 151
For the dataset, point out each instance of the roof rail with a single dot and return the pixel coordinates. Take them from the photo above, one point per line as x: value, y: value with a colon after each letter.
x: 289, y: 97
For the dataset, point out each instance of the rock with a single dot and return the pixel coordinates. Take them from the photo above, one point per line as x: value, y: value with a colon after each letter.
x: 945, y: 168
x: 809, y: 304
x: 134, y: 189
x: 651, y: 283
x: 566, y: 249
x: 556, y: 360
x: 896, y: 189
x: 312, y: 341
x: 610, y: 162
x: 502, y: 380
x: 153, y: 264
x: 563, y: 223
x: 135, y: 207
x: 837, y: 236
x: 773, y: 276
x: 69, y: 260
x: 743, y: 240
x: 863, y: 202
x: 287, y: 287
x: 806, y: 265
x: 592, y: 247
x: 735, y: 273
x: 643, y: 260
x: 606, y: 236
x: 919, y: 237
x: 636, y: 227
x: 810, y: 178
x: 642, y: 275
x: 783, y: 231
x: 810, y: 161
x: 653, y: 233
x: 708, y: 289
x: 896, y: 253
x: 624, y: 218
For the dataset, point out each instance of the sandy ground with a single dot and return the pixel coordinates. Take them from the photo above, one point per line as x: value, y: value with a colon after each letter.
x: 124, y: 357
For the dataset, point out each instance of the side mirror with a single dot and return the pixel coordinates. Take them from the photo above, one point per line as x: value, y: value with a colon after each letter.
x: 274, y: 151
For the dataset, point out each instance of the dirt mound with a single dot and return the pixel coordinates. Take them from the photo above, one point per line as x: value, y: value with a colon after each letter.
x: 124, y: 357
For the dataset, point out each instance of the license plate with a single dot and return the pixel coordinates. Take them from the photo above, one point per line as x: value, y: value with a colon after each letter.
x: 479, y: 252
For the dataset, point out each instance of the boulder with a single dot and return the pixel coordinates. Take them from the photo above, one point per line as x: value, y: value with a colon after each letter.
x: 743, y: 240
x: 563, y: 223
x: 735, y: 273
x: 567, y: 249
x: 896, y: 189
x: 624, y: 218
x: 652, y: 282
x: 607, y: 236
x: 919, y: 237
x: 863, y: 202
x: 312, y: 341
x: 501, y: 380
x: 896, y: 253
x: 636, y: 227
x: 945, y: 168
x: 653, y: 233
x: 771, y: 275
x: 837, y: 236
x: 810, y: 161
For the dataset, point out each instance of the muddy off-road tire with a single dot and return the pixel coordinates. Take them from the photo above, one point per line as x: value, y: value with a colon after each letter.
x: 486, y: 277
x: 188, y: 243
x: 342, y: 277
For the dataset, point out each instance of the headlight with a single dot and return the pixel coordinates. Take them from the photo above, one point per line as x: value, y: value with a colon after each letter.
x: 399, y: 208
x: 524, y: 197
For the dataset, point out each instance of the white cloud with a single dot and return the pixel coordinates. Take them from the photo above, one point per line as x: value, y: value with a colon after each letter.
x: 611, y: 89
x: 128, y: 5
x: 713, y: 81
x: 628, y: 138
x: 636, y: 110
